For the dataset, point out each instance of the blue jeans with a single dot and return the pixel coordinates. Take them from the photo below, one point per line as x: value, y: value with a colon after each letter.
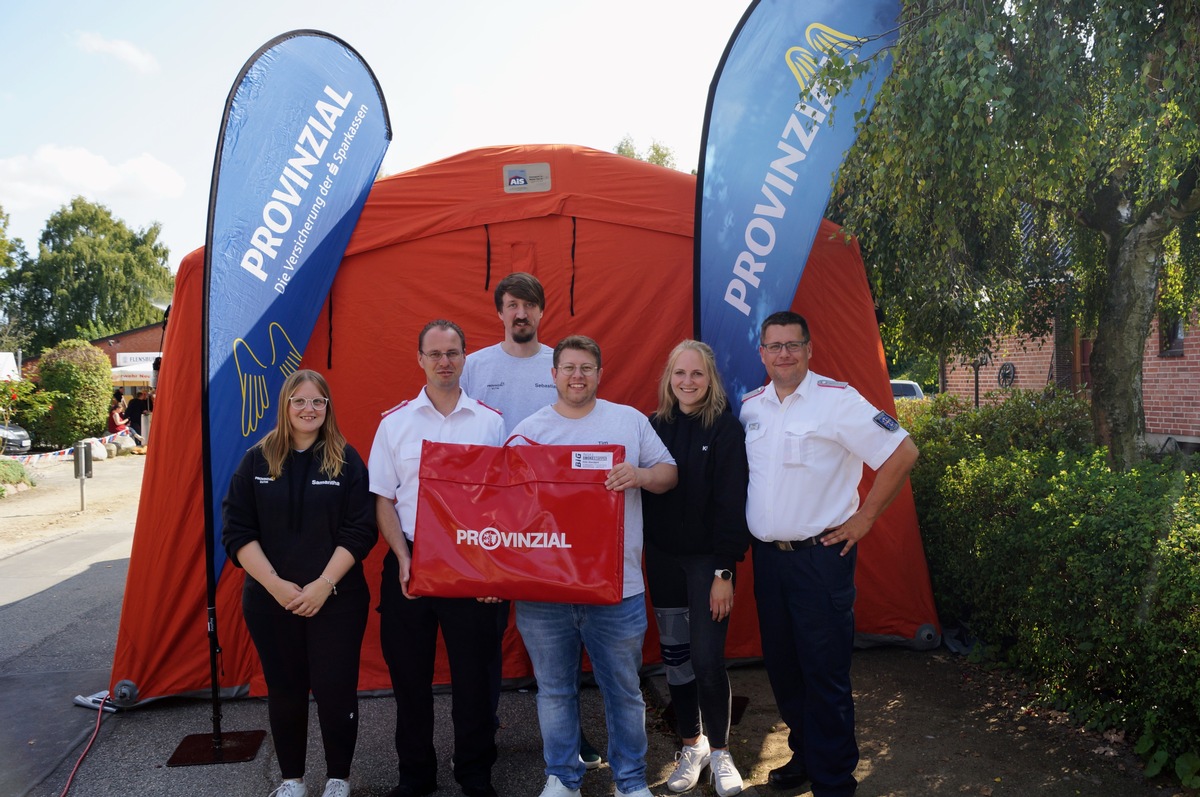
x: 613, y: 636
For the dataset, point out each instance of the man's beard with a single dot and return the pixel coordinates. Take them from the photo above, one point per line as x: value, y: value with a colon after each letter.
x: 523, y: 333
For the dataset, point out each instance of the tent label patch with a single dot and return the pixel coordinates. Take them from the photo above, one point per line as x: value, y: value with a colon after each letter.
x: 526, y: 178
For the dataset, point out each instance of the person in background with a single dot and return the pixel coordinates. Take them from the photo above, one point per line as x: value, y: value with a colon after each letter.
x: 117, y: 422
x: 807, y: 439
x: 134, y: 412
x: 514, y: 377
x: 298, y: 518
x: 695, y: 536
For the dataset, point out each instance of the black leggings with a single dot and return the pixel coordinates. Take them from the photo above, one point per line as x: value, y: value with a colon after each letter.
x: 320, y: 653
x: 691, y: 642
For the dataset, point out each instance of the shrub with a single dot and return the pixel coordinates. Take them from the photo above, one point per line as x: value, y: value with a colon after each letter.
x: 22, y: 403
x: 12, y: 472
x: 1085, y: 579
x: 960, y: 494
x: 82, y: 375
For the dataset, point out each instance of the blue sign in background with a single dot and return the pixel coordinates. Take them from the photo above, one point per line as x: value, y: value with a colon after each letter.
x: 768, y: 159
x: 304, y: 133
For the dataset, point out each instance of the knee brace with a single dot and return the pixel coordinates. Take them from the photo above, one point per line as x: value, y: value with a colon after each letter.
x: 674, y: 641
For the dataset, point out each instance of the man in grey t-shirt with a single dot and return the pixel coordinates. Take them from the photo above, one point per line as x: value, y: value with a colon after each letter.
x: 514, y: 375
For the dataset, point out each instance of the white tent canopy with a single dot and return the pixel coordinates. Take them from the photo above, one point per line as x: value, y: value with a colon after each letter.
x: 135, y: 374
x: 8, y: 366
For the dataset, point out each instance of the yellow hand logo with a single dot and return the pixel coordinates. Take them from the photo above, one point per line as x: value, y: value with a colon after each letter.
x: 252, y: 374
x: 822, y: 40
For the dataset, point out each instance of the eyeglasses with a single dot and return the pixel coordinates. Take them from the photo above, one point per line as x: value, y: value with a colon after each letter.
x: 453, y: 354
x: 792, y: 346
x: 569, y: 369
x: 317, y: 403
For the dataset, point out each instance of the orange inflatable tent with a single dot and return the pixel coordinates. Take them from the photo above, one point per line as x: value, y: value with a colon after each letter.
x: 611, y: 240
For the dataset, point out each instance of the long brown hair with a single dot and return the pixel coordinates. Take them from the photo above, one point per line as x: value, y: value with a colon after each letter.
x: 278, y: 443
x: 714, y: 401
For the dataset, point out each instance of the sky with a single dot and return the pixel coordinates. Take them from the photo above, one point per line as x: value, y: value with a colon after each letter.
x: 121, y: 102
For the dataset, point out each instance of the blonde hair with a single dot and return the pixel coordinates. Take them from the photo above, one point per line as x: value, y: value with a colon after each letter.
x: 278, y: 443
x: 714, y: 401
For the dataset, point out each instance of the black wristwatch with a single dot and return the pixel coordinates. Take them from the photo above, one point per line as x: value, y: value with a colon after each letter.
x: 724, y: 575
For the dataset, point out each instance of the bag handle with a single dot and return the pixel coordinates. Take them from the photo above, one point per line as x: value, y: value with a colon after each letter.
x: 522, y: 437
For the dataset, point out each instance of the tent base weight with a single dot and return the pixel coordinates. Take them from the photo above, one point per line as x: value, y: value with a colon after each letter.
x: 234, y: 748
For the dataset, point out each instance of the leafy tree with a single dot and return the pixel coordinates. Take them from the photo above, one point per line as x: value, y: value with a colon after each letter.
x: 92, y: 276
x: 81, y: 376
x: 1034, y: 159
x: 627, y: 148
x: 12, y: 252
x: 659, y: 153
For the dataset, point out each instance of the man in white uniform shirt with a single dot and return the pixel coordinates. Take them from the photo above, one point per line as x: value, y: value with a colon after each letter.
x: 408, y: 626
x: 613, y: 635
x: 807, y: 438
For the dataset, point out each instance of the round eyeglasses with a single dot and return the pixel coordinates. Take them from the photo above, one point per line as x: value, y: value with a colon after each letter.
x: 318, y: 403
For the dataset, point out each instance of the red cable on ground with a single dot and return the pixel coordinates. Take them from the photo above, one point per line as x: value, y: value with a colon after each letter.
x: 83, y: 755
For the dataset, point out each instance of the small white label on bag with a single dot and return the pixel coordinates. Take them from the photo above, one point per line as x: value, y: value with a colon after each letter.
x: 591, y: 460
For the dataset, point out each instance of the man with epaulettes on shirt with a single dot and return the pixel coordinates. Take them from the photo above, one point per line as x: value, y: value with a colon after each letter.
x: 807, y: 438
x: 408, y: 626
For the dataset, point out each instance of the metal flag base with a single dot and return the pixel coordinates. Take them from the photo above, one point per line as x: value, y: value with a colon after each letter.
x: 227, y: 748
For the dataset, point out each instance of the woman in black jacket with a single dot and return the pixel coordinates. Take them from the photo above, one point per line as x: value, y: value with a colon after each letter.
x: 695, y: 535
x: 299, y: 519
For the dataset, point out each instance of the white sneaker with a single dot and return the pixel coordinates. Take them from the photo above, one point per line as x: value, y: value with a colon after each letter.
x: 642, y: 792
x: 556, y: 788
x: 725, y: 777
x: 290, y: 788
x: 336, y: 787
x: 689, y: 763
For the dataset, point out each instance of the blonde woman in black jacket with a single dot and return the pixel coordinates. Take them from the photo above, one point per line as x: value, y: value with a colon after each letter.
x: 299, y: 519
x: 695, y: 535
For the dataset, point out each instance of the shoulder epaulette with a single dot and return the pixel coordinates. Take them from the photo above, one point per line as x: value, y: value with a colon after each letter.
x: 832, y: 383
x: 747, y: 396
x: 493, y: 409
x: 386, y: 413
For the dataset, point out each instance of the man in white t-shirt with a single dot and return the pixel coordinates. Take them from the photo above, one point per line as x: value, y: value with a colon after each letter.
x: 555, y: 633
x: 408, y: 626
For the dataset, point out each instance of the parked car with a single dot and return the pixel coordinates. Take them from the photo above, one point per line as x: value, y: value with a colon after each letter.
x: 902, y: 388
x: 16, y: 440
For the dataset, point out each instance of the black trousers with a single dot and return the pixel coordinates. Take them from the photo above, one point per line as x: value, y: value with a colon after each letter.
x: 408, y: 638
x: 806, y: 619
x: 318, y: 653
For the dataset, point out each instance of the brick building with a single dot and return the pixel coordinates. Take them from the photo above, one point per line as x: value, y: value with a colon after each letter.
x: 1170, y: 375
x: 135, y: 342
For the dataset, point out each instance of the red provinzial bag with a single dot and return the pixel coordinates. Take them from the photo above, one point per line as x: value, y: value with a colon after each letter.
x: 523, y: 522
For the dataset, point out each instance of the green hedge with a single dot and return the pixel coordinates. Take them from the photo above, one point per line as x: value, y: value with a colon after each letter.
x: 82, y: 376
x: 1084, y: 579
